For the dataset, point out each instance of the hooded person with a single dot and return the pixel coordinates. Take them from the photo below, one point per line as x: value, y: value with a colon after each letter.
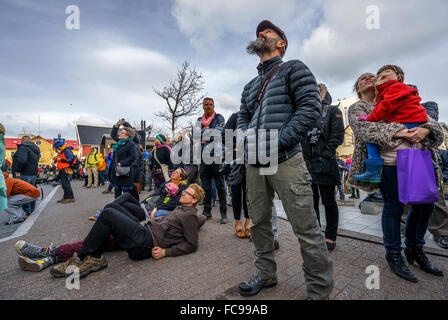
x: 102, y: 165
x: 63, y: 160
x: 92, y: 161
x: 25, y: 165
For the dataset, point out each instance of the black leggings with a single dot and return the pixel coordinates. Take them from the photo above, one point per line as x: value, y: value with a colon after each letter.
x: 126, y: 229
x: 239, y: 198
x: 331, y: 209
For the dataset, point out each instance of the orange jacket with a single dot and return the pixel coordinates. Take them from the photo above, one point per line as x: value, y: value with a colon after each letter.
x: 62, y: 165
x: 17, y: 186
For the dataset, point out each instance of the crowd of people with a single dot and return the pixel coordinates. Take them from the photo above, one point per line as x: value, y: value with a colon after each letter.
x: 284, y: 97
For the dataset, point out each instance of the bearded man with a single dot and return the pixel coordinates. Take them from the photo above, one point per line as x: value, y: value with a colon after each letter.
x: 283, y: 99
x: 211, y: 120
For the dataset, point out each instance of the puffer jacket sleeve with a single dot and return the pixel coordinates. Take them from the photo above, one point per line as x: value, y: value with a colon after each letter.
x: 244, y: 115
x: 307, y: 107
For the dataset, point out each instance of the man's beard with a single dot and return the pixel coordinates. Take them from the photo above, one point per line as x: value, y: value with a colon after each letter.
x: 262, y: 46
x: 208, y: 113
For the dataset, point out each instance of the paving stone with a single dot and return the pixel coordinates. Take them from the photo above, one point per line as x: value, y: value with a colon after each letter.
x: 214, y: 271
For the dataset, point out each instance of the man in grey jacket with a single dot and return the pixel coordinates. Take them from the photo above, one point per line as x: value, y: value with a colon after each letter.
x: 174, y: 234
x: 25, y: 164
x: 282, y: 99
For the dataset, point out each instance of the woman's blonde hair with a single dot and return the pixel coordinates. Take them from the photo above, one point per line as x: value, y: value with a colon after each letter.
x: 2, y: 129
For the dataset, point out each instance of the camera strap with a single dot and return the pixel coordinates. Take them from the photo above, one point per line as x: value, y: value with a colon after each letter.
x: 267, y: 80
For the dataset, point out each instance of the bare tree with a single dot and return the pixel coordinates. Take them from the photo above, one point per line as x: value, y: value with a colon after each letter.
x: 182, y: 96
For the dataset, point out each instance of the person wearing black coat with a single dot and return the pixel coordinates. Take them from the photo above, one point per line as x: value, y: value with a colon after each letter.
x: 282, y: 99
x: 125, y: 153
x: 325, y: 172
x: 160, y: 155
x: 238, y: 190
x: 25, y: 164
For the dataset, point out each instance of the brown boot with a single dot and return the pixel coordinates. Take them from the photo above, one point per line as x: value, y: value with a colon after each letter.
x: 247, y: 228
x: 239, y: 230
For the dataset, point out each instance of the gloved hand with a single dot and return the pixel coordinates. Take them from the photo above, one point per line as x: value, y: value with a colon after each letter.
x: 363, y: 117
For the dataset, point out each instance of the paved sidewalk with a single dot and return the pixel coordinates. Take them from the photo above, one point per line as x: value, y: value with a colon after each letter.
x: 212, y: 272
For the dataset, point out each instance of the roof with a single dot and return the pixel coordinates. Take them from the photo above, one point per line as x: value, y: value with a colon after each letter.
x: 69, y: 143
x: 91, y: 135
x: 11, y: 143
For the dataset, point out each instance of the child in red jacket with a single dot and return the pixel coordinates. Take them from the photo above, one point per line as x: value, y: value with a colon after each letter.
x: 396, y: 102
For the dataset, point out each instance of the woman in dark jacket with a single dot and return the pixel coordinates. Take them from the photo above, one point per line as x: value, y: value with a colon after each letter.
x: 325, y: 172
x: 124, y: 155
x: 161, y: 154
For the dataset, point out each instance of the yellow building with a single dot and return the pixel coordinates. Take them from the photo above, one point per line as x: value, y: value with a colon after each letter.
x: 47, y: 153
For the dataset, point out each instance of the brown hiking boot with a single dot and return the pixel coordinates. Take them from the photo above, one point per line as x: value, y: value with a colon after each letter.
x: 67, y: 200
x: 59, y: 271
x: 106, y: 191
x: 59, y: 201
x: 91, y: 264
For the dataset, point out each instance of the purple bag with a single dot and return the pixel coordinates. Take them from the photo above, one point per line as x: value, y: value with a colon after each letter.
x: 416, y: 179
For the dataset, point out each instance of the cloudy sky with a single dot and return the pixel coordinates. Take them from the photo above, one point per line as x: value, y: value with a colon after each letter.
x: 108, y: 68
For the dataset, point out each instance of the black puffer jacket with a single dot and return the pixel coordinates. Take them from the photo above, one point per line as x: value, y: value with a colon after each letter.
x: 26, y: 159
x: 290, y: 105
x: 324, y: 167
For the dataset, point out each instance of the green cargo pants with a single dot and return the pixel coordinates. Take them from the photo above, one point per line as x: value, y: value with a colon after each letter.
x: 292, y: 182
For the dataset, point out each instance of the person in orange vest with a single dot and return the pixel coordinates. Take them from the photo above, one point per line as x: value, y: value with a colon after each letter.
x: 19, y: 193
x: 64, y: 159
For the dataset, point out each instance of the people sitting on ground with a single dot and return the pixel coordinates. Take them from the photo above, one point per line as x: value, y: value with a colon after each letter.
x: 19, y: 193
x: 159, y: 199
x: 120, y: 227
x: 156, y: 206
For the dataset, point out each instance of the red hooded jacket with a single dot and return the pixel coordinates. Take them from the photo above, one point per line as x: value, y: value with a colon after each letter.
x: 397, y: 102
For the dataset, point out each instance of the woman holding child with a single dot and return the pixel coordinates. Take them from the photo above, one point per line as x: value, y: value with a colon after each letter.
x: 390, y: 137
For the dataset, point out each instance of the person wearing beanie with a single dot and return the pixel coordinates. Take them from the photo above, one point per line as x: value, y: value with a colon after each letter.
x: 63, y: 160
x: 283, y: 99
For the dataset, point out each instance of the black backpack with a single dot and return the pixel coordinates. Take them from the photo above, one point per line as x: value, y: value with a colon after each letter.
x: 75, y: 164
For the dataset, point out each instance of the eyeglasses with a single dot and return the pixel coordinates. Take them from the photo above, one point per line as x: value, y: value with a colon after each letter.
x: 185, y: 191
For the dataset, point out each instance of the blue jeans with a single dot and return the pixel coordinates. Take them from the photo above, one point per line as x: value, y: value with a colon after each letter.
x: 29, y: 207
x: 417, y: 221
x: 161, y: 213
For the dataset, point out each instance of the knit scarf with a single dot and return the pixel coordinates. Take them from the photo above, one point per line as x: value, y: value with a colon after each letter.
x: 178, y: 183
x: 120, y: 143
x: 206, y: 121
x: 163, y: 145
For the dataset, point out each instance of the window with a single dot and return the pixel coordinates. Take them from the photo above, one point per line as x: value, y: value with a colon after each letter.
x: 38, y: 142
